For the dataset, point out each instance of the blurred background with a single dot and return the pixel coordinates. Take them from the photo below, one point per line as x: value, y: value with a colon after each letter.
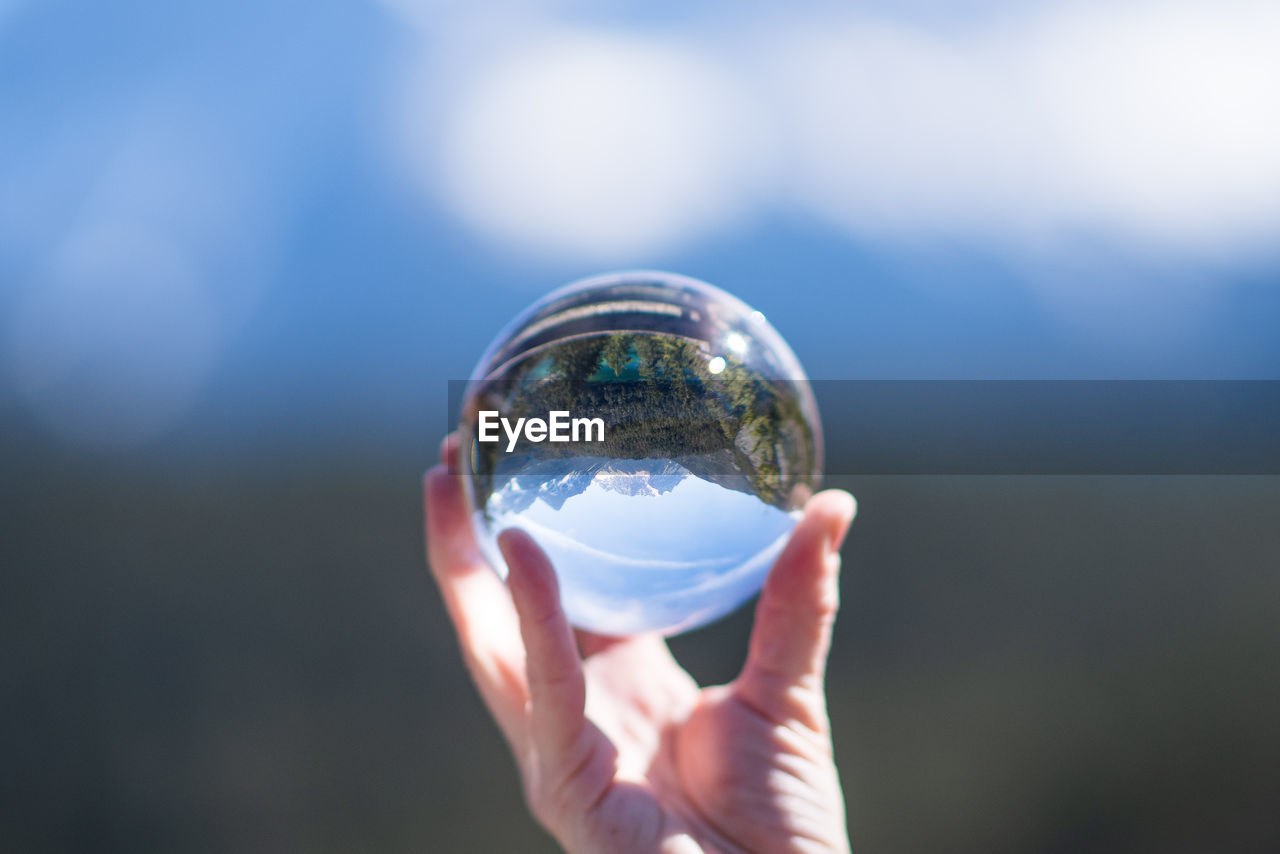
x: 245, y: 246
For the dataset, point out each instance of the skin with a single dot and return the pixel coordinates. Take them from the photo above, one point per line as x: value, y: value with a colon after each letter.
x: 619, y: 749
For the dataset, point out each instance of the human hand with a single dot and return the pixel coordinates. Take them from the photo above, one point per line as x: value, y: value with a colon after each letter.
x: 618, y: 748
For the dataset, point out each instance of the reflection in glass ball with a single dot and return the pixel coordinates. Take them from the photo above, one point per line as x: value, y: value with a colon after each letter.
x: 669, y: 512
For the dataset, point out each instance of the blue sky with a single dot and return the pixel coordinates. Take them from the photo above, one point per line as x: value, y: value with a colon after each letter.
x: 220, y: 222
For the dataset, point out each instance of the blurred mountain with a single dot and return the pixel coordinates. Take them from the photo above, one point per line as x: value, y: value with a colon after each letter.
x: 250, y: 656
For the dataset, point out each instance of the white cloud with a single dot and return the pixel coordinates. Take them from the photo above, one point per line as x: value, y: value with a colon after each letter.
x: 1148, y: 122
x: 1165, y: 117
x: 1145, y: 123
x: 599, y: 146
x: 895, y: 130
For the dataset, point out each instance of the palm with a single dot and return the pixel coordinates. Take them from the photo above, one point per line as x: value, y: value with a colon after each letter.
x: 695, y: 763
x: 619, y: 749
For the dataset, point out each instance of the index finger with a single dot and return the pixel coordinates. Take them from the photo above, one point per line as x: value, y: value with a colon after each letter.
x: 478, y: 603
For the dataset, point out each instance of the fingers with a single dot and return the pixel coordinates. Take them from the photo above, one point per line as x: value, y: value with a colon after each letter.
x: 449, y: 452
x: 477, y: 602
x: 797, y: 607
x: 557, y: 688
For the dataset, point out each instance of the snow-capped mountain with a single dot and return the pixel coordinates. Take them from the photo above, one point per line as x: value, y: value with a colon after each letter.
x: 555, y: 481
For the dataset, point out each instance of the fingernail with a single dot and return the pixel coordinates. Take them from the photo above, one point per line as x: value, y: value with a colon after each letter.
x: 507, y: 545
x: 837, y: 535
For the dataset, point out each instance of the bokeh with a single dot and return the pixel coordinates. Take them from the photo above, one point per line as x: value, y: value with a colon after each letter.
x: 244, y: 247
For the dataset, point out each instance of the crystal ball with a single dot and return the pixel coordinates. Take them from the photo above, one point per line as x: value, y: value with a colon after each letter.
x: 654, y: 435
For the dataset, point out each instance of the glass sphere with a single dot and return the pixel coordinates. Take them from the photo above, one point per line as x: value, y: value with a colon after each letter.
x: 679, y: 439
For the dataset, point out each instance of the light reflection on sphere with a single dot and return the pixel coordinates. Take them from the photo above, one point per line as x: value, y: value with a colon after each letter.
x: 711, y: 446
